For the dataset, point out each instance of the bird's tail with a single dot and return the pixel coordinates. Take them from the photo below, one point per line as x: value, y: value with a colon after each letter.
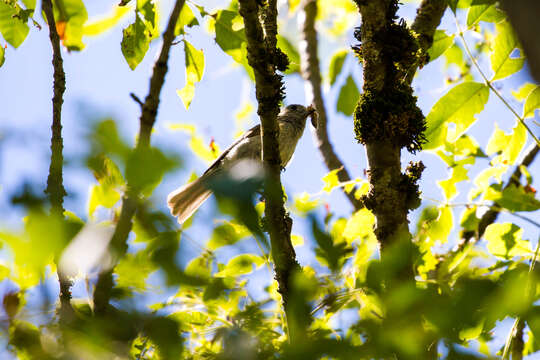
x: 185, y: 200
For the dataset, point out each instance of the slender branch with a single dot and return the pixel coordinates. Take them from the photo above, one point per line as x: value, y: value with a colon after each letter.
x: 269, y: 93
x: 55, y: 185
x: 312, y: 74
x: 492, y: 88
x: 104, y: 286
x: 428, y: 18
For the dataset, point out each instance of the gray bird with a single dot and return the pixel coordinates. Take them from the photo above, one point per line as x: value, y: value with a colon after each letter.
x: 185, y: 200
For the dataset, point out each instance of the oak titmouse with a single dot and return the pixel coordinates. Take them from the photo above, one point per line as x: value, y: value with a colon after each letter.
x: 185, y: 200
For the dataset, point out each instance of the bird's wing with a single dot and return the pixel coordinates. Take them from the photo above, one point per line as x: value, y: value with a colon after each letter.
x: 254, y: 131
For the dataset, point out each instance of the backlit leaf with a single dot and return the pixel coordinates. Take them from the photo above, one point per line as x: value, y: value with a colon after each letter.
x: 458, y: 173
x: 510, y: 145
x: 2, y: 55
x: 241, y: 265
x: 486, y: 12
x: 501, y: 63
x: 186, y: 19
x: 348, y: 97
x: 105, y: 23
x: 228, y: 233
x: 135, y: 42
x: 523, y: 92
x: 459, y: 106
x: 504, y: 240
x: 532, y: 103
x: 73, y: 14
x: 294, y: 57
x: 336, y: 64
x: 194, y: 60
x: 330, y: 180
x: 13, y: 29
x: 441, y: 43
x: 513, y: 198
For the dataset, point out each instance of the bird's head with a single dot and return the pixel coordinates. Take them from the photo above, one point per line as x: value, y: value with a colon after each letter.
x: 300, y: 112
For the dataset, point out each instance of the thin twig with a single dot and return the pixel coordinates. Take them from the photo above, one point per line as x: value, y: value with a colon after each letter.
x: 312, y: 74
x: 55, y: 186
x: 118, y: 245
x: 492, y: 88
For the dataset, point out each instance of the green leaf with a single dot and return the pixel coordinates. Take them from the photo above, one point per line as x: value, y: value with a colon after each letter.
x: 304, y: 204
x: 348, y: 97
x: 505, y: 43
x: 133, y: 269
x: 459, y: 173
x: 194, y: 60
x: 523, y: 92
x: 336, y: 64
x: 70, y: 15
x: 532, y: 103
x: 105, y: 23
x: 147, y: 9
x: 228, y: 233
x: 135, y: 42
x: 13, y: 29
x: 504, y: 240
x: 458, y: 106
x: 330, y: 253
x: 241, y: 265
x: 486, y: 12
x: 145, y: 169
x: 2, y: 55
x: 101, y: 195
x: 330, y: 180
x: 359, y: 225
x: 441, y: 43
x: 294, y: 57
x: 510, y: 145
x: 513, y: 198
x: 454, y: 55
x: 186, y: 19
x: 230, y: 34
x: 440, y: 228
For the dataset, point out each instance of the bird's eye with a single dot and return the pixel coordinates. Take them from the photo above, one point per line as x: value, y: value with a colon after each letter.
x: 293, y: 107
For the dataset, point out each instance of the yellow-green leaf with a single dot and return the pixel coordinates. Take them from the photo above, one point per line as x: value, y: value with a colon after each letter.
x: 484, y: 12
x: 532, y: 103
x: 102, y: 195
x: 105, y: 23
x: 523, y: 92
x: 504, y: 240
x: 359, y: 225
x: 330, y: 180
x: 13, y: 29
x: 241, y: 265
x: 441, y: 43
x: 513, y: 198
x: 72, y: 14
x: 304, y: 204
x: 135, y: 42
x: 459, y: 173
x: 228, y: 233
x: 458, y: 106
x: 501, y: 63
x: 336, y: 64
x: 194, y: 60
x: 348, y: 97
x: 510, y: 145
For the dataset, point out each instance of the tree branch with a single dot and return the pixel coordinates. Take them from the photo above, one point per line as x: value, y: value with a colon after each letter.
x: 55, y: 185
x: 428, y: 18
x: 312, y: 74
x: 104, y: 286
x: 269, y: 93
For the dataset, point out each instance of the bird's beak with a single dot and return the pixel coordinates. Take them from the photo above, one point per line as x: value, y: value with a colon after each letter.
x: 314, y: 116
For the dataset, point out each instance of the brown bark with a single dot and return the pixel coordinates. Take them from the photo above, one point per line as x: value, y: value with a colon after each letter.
x: 312, y: 74
x: 118, y: 245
